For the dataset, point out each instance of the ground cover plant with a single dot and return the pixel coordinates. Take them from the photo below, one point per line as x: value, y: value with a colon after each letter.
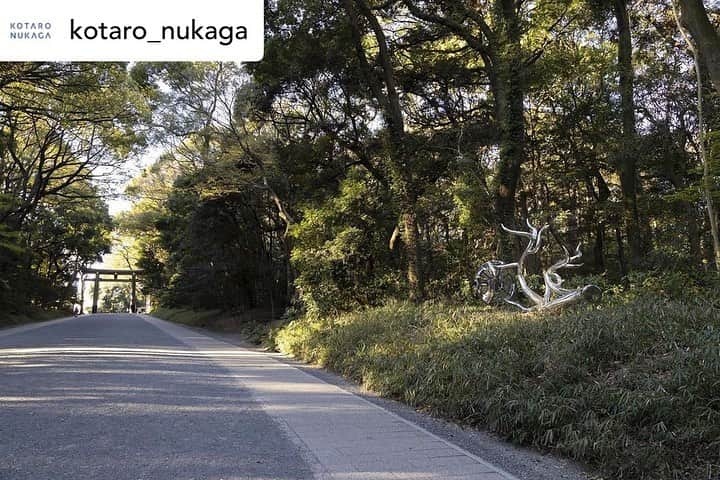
x: 29, y: 315
x: 630, y: 388
x: 255, y: 326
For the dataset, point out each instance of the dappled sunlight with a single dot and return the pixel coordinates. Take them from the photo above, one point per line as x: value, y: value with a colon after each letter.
x: 178, y: 366
x: 154, y: 393
x: 289, y: 385
x: 351, y: 437
x: 140, y: 396
x: 105, y: 405
x: 311, y: 407
x: 364, y: 475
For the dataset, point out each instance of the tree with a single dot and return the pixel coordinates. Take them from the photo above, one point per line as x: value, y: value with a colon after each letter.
x: 627, y: 166
x: 61, y: 124
x: 116, y: 299
x: 498, y: 31
x: 64, y: 127
x: 694, y: 18
x: 388, y: 166
x: 210, y: 200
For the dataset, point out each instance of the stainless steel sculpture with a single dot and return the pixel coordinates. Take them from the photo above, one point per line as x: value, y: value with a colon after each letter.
x: 494, y: 283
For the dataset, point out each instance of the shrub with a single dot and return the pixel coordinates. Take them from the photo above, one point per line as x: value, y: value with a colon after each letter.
x: 340, y: 249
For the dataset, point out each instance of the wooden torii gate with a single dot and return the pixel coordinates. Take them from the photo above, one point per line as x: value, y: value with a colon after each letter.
x: 117, y: 275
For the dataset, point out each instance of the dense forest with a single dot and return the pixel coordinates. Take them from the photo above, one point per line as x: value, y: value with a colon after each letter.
x: 65, y: 130
x: 374, y: 153
x: 377, y: 148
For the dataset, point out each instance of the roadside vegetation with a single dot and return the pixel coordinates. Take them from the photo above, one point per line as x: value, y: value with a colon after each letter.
x: 30, y: 315
x: 629, y: 388
x: 255, y: 326
x: 204, y: 318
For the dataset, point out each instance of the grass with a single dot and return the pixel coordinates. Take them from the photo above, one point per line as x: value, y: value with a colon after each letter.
x: 196, y: 318
x: 632, y: 388
x: 30, y: 316
x: 253, y: 325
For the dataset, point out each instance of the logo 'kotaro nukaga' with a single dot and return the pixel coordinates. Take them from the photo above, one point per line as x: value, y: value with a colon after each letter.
x: 35, y: 30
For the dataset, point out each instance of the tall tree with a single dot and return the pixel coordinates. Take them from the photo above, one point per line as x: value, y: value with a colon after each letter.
x: 62, y: 124
x: 694, y: 17
x: 627, y: 156
x: 381, y: 76
x: 65, y: 130
x: 705, y: 52
x: 497, y: 31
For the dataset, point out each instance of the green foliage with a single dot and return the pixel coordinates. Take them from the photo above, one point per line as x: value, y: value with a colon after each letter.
x: 676, y: 284
x: 309, y: 144
x: 713, y: 159
x: 116, y: 299
x: 254, y: 325
x: 40, y: 260
x: 29, y: 315
x: 196, y: 318
x: 11, y: 252
x: 63, y: 128
x: 220, y: 256
x: 205, y: 219
x: 340, y: 249
x: 629, y: 388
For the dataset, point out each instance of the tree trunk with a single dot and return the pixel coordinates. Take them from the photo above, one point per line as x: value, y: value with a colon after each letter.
x: 693, y: 233
x: 707, y: 178
x: 512, y: 155
x: 508, y: 88
x: 627, y: 168
x: 693, y: 16
x: 499, y: 44
x: 706, y: 50
x: 385, y: 90
x: 599, y: 248
x: 678, y: 178
x: 621, y: 252
x: 411, y: 240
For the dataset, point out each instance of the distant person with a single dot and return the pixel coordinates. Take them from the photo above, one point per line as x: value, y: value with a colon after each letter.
x: 76, y: 309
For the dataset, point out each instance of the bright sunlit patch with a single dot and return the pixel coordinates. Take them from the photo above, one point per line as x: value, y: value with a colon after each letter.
x: 16, y: 352
x: 15, y: 399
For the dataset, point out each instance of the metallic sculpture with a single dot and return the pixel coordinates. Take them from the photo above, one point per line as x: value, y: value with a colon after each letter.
x: 494, y: 283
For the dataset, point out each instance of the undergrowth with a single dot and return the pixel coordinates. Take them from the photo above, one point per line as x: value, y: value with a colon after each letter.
x: 196, y: 318
x: 253, y: 325
x: 631, y: 388
x: 30, y: 315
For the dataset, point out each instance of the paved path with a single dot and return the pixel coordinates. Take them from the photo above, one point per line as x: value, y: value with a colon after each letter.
x: 133, y: 397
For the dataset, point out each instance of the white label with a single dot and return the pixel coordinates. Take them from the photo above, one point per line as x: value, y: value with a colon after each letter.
x: 131, y: 30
